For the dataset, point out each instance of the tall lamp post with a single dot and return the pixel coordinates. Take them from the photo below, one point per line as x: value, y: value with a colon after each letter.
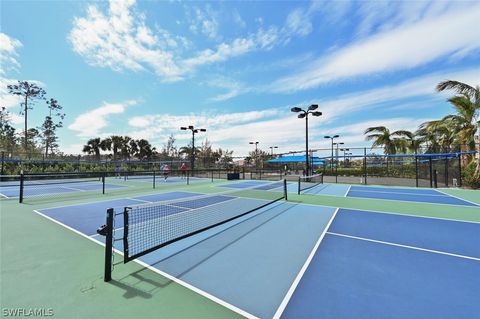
x: 344, y: 150
x: 256, y: 152
x: 304, y: 114
x: 194, y: 131
x: 272, y: 147
x: 337, y: 161
x: 332, y: 138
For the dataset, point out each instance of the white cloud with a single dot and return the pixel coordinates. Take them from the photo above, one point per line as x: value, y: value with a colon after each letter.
x: 120, y: 40
x: 405, y: 47
x: 90, y: 123
x: 278, y: 126
x: 204, y: 21
x: 8, y: 53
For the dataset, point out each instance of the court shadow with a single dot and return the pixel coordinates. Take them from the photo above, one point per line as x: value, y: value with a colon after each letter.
x: 184, y: 260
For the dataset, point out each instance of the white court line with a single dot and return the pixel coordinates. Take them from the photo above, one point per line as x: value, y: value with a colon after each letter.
x: 401, y: 193
x: 405, y: 246
x: 139, y: 200
x: 164, y: 274
x: 120, y: 198
x: 394, y: 200
x: 295, y: 283
x: 465, y: 200
x: 393, y: 213
x: 4, y: 196
x: 348, y: 191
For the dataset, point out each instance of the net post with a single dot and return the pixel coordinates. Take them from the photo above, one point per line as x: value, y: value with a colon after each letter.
x: 109, y: 246
x: 103, y: 182
x: 285, y: 192
x: 298, y: 185
x: 125, y: 235
x: 22, y: 184
x: 154, y: 178
x: 212, y: 175
x: 188, y: 177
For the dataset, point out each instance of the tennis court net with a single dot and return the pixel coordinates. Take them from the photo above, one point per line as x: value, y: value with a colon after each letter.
x: 148, y: 227
x: 307, y: 182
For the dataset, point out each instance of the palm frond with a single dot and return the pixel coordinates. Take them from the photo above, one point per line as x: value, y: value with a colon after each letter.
x: 459, y: 87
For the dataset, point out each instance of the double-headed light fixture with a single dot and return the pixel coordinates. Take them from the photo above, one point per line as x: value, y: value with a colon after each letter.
x: 304, y: 114
x: 194, y: 131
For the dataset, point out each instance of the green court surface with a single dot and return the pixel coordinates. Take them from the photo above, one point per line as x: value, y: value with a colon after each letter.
x: 44, y: 265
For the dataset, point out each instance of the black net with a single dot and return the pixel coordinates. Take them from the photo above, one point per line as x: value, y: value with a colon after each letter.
x: 308, y: 182
x: 52, y: 184
x: 152, y: 226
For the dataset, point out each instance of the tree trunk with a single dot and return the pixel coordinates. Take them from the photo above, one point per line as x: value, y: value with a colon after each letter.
x: 26, y: 116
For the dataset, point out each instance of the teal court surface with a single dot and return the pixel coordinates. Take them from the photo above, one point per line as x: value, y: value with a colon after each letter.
x: 333, y: 251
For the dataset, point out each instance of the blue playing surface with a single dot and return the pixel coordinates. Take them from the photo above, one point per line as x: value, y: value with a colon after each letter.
x: 369, y: 275
x: 406, y: 194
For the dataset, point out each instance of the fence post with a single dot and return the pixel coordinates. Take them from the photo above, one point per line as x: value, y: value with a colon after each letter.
x: 154, y: 179
x: 460, y: 170
x: 435, y: 181
x: 188, y: 177
x: 285, y: 189
x: 446, y: 171
x: 365, y: 164
x: 3, y: 162
x: 416, y: 171
x: 431, y: 171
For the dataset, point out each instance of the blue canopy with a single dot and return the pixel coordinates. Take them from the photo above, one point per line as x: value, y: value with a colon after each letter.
x: 296, y: 159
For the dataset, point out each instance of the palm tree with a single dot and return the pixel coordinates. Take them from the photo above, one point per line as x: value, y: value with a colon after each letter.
x: 116, y: 144
x: 125, y: 147
x: 438, y: 135
x: 382, y: 136
x: 145, y: 150
x: 467, y: 106
x: 93, y: 147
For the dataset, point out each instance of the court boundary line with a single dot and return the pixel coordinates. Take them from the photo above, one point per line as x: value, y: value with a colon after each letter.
x: 293, y: 287
x: 404, y: 246
x: 374, y: 191
x: 392, y: 213
x: 466, y: 200
x: 112, y: 199
x: 158, y: 271
x: 395, y: 200
x: 348, y: 191
x: 5, y: 196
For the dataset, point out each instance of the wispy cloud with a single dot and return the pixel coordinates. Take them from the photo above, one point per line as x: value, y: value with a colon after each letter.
x: 120, y: 39
x: 90, y: 123
x: 405, y: 47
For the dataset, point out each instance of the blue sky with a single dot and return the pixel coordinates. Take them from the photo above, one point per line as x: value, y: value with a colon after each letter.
x: 146, y: 68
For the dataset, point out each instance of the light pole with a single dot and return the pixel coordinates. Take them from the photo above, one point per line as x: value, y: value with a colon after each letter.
x: 304, y: 114
x: 331, y: 137
x: 256, y: 153
x: 344, y: 150
x: 272, y: 147
x: 337, y: 161
x: 194, y: 130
